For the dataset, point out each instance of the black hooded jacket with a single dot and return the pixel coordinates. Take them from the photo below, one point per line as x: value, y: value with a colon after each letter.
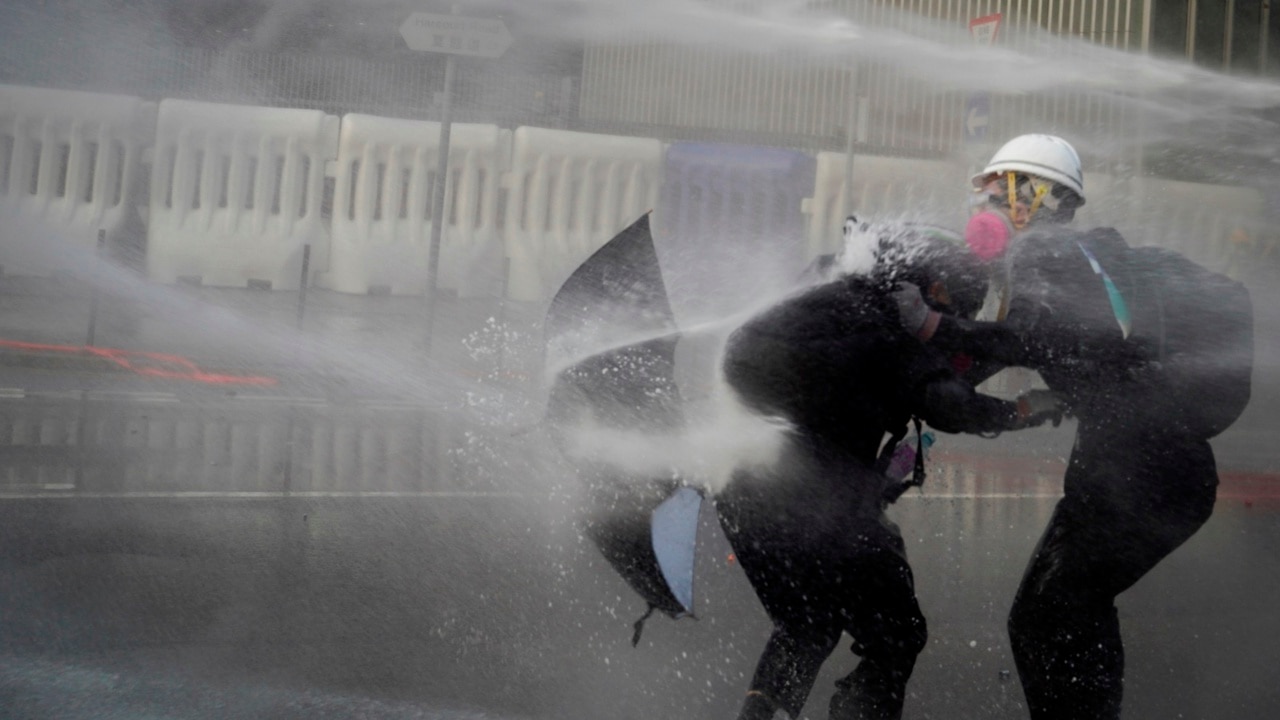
x: 836, y: 364
x: 1063, y: 323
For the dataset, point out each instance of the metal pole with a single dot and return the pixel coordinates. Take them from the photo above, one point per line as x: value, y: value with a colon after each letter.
x: 1228, y: 34
x: 1191, y: 30
x: 437, y: 199
x: 93, y: 289
x: 1264, y: 37
x: 1146, y: 27
x: 302, y: 284
x: 850, y: 133
x: 82, y: 425
x: 1140, y: 151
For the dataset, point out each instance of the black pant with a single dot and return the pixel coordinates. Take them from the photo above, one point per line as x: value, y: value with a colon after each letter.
x: 823, y: 560
x: 1130, y: 499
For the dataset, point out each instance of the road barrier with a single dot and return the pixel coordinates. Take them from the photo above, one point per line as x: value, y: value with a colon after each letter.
x: 568, y: 194
x: 729, y: 218
x: 236, y: 194
x: 1210, y: 224
x: 69, y: 166
x: 728, y: 193
x: 884, y: 188
x: 382, y: 207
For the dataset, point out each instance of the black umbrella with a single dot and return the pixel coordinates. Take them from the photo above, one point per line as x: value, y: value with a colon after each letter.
x: 611, y: 338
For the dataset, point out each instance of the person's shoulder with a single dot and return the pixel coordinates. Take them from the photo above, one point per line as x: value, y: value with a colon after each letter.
x: 1067, y: 242
x: 1043, y: 246
x: 1106, y: 239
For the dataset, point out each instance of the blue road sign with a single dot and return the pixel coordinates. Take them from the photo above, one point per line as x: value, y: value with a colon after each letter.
x: 977, y: 116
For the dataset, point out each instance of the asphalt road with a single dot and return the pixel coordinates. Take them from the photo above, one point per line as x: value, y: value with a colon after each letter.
x: 460, y: 605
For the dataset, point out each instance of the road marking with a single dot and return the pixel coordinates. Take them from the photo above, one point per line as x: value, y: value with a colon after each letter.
x: 284, y: 399
x: 144, y: 396
x: 141, y: 396
x: 250, y: 495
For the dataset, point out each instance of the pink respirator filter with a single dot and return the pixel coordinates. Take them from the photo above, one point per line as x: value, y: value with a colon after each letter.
x: 987, y: 235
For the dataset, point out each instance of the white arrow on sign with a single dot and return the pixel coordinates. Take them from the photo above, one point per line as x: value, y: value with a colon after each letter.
x: 455, y: 34
x: 975, y: 121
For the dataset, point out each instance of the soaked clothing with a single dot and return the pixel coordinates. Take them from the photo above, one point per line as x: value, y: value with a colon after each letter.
x: 1130, y: 499
x: 810, y: 531
x: 1139, y: 481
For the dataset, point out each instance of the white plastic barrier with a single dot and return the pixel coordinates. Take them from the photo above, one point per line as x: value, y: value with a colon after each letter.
x: 382, y: 207
x: 236, y: 193
x: 1207, y: 223
x: 68, y: 169
x: 569, y: 193
x: 883, y: 188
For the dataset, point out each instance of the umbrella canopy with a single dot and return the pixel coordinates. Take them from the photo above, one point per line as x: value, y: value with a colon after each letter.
x: 610, y: 339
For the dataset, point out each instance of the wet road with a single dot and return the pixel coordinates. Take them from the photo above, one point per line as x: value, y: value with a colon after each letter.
x: 457, y: 605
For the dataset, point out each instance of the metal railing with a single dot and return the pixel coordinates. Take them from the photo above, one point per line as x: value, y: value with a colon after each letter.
x: 793, y: 99
x: 406, y: 88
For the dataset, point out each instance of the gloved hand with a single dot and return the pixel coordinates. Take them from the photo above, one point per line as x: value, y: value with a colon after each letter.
x: 915, y: 315
x: 1036, y: 407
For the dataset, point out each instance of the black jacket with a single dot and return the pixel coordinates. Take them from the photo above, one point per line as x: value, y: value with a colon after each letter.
x: 836, y: 364
x: 1061, y: 321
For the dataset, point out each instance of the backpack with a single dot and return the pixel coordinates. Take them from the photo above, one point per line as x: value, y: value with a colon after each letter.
x: 1199, y: 327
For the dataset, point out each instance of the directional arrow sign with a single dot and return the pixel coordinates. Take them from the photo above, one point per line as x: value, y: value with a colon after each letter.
x: 977, y: 115
x: 455, y: 35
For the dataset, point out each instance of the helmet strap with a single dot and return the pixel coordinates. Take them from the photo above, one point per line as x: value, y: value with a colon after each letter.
x: 1041, y: 189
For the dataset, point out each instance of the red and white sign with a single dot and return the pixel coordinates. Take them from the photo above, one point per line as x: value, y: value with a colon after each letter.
x: 984, y: 29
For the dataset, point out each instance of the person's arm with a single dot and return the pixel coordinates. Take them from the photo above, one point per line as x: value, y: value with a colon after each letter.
x: 991, y: 345
x: 1006, y: 343
x: 950, y: 404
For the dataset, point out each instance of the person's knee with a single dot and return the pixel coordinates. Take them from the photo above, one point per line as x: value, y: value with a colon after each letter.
x: 1033, y: 613
x: 1039, y: 619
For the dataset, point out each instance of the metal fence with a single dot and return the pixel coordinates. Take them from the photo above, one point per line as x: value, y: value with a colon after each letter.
x: 408, y: 88
x: 789, y: 98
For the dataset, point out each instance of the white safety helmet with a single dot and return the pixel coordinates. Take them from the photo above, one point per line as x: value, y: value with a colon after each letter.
x: 1046, y: 156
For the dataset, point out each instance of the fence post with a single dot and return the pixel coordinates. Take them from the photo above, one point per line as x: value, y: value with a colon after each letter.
x: 93, y: 287
x: 302, y: 283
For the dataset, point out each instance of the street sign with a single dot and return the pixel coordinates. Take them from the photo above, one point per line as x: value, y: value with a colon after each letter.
x: 977, y: 116
x: 455, y: 35
x: 985, y: 28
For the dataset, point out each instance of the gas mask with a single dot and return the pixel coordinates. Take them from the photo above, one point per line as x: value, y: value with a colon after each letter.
x: 1032, y: 199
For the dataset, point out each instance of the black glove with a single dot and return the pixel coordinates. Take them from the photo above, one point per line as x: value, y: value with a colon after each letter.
x: 1036, y: 407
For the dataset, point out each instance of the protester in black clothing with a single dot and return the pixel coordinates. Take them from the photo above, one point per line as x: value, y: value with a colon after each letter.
x: 1089, y: 314
x: 809, y: 531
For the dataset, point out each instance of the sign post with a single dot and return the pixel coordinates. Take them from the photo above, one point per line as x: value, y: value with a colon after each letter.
x: 451, y: 35
x: 851, y: 137
x: 977, y: 108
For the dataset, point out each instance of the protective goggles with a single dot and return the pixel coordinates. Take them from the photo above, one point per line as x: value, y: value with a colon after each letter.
x: 1033, y: 193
